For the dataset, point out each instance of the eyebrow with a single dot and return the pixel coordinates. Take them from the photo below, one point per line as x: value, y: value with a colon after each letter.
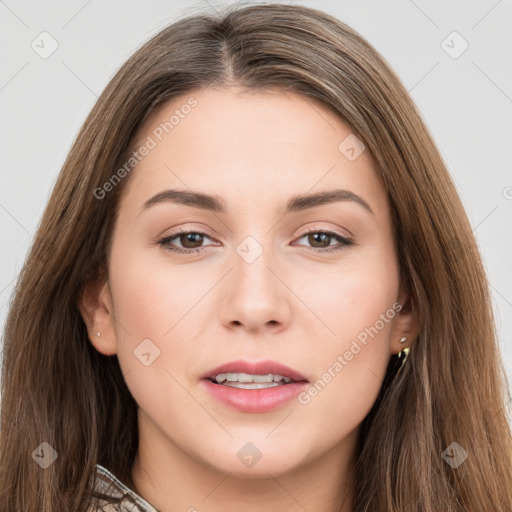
x: 215, y: 203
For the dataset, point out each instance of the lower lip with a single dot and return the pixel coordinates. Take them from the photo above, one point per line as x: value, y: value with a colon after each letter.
x: 255, y: 400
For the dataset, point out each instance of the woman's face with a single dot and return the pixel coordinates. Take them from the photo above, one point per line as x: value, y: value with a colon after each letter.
x: 267, y: 283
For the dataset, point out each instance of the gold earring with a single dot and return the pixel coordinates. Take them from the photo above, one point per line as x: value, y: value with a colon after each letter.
x: 403, y: 355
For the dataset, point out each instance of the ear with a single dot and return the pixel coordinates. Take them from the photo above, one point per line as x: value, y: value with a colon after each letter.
x: 95, y: 307
x: 405, y: 323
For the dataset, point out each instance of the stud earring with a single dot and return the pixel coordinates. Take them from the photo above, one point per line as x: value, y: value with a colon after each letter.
x: 402, y: 355
x: 98, y: 334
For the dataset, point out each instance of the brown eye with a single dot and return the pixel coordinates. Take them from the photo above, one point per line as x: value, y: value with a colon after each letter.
x: 190, y: 240
x: 321, y: 240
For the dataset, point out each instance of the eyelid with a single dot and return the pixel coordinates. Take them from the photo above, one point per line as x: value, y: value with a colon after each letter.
x: 315, y: 227
x: 171, y: 232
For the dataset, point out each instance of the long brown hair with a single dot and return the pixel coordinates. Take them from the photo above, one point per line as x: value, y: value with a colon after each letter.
x: 57, y: 388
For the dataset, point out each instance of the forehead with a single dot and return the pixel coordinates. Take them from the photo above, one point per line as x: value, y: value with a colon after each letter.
x: 247, y: 146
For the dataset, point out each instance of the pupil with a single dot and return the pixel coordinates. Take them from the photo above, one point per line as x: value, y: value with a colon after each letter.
x: 321, y: 235
x: 189, y: 237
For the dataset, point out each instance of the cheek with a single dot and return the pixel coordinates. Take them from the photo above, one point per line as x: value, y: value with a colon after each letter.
x: 151, y: 295
x: 350, y: 298
x: 153, y: 330
x: 350, y: 360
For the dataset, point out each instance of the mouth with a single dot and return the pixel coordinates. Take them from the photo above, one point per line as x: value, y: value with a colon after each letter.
x: 245, y: 385
x: 253, y: 375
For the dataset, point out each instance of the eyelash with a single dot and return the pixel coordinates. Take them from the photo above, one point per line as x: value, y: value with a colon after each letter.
x: 164, y: 242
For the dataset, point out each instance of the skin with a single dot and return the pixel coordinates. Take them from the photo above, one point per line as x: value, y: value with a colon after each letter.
x: 292, y: 304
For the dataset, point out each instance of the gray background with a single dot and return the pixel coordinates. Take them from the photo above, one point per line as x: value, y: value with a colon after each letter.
x: 466, y: 102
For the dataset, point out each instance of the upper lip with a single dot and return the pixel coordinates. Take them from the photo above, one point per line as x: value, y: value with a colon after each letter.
x: 255, y: 368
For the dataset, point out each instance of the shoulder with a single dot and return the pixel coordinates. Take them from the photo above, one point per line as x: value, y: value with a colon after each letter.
x: 111, y: 495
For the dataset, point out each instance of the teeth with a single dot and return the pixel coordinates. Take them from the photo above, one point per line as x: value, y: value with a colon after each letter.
x: 251, y: 385
x: 263, y: 378
x: 245, y: 378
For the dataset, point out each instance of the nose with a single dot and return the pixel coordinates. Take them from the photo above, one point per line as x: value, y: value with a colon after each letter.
x: 255, y: 296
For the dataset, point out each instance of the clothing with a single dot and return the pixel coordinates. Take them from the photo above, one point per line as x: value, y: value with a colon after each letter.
x: 124, y: 499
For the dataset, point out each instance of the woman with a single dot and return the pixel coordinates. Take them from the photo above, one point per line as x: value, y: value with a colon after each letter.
x: 145, y: 372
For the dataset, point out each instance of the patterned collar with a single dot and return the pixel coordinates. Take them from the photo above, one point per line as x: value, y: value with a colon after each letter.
x: 117, y: 497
